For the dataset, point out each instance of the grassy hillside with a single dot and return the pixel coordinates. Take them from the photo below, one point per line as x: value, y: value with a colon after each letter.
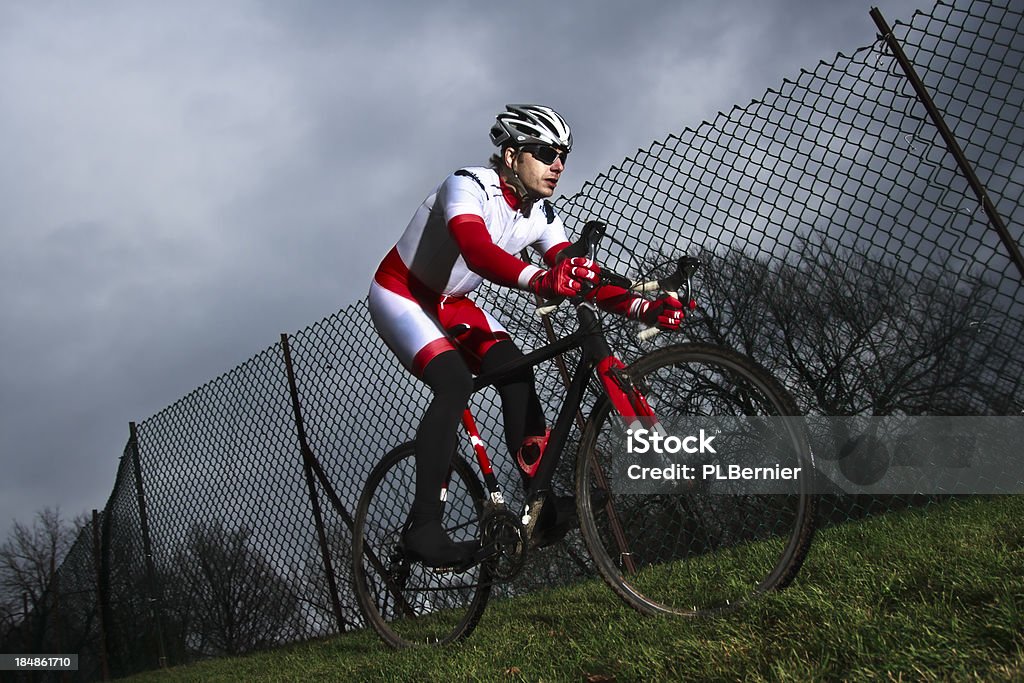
x: 933, y: 594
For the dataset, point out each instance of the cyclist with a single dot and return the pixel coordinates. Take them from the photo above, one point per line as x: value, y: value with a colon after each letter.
x: 468, y: 230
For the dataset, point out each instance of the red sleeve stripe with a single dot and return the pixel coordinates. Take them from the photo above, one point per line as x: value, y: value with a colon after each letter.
x: 551, y: 255
x: 483, y: 256
x: 466, y: 219
x: 617, y: 300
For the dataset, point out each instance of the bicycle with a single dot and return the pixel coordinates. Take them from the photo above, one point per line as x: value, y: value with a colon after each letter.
x: 671, y: 548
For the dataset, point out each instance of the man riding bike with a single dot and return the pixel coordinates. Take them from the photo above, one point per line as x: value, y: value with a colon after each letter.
x: 468, y: 230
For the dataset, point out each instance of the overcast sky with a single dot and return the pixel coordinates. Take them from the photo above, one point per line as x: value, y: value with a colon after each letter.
x: 180, y: 182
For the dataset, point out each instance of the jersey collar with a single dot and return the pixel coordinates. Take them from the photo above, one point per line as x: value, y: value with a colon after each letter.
x: 510, y: 196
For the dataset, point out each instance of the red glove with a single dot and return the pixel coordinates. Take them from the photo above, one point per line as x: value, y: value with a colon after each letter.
x: 665, y: 312
x: 566, y: 278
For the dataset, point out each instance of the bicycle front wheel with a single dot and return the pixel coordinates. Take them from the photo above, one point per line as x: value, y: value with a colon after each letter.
x: 694, y: 549
x: 407, y: 603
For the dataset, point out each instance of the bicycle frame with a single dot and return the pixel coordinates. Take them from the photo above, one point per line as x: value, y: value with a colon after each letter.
x: 597, y: 355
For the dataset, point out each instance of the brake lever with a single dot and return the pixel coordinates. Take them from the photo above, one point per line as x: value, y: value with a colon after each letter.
x: 681, y: 281
x: 682, y: 278
x: 590, y: 237
x: 689, y: 265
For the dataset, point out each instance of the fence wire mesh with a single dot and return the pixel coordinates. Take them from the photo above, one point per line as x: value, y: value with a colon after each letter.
x: 844, y: 250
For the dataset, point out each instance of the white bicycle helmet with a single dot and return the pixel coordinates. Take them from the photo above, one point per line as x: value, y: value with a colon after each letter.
x: 530, y: 124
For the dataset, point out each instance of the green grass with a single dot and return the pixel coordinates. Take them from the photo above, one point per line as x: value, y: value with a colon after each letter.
x: 931, y: 594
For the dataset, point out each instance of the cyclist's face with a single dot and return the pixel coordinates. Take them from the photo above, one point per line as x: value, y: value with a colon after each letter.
x: 539, y: 178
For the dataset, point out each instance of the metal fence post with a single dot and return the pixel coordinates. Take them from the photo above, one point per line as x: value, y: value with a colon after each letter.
x: 307, y: 466
x: 147, y: 547
x: 101, y: 595
x: 951, y: 143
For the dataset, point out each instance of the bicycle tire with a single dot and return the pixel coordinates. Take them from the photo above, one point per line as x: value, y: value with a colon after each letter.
x: 695, y: 553
x: 407, y: 603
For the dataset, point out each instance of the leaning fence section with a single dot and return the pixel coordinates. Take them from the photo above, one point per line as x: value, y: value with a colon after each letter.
x: 844, y: 249
x: 127, y: 612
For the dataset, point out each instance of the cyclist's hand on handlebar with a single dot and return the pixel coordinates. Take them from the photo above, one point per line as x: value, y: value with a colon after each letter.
x: 665, y: 312
x: 566, y: 278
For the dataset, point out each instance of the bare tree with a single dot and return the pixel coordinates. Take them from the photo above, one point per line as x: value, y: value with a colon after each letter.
x: 29, y: 560
x: 851, y: 334
x: 226, y: 595
x: 9, y: 618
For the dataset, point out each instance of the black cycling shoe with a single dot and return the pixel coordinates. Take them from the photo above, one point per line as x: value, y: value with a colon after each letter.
x: 557, y: 518
x: 429, y: 544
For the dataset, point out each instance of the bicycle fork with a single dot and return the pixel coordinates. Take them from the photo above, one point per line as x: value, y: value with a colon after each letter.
x: 626, y: 398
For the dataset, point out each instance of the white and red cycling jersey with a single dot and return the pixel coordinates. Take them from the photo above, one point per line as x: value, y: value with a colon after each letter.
x: 468, y: 230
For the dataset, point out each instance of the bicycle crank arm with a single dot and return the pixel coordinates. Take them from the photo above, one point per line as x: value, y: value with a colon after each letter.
x: 482, y: 553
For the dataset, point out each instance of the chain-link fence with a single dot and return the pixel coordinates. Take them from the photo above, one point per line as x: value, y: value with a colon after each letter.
x: 846, y: 249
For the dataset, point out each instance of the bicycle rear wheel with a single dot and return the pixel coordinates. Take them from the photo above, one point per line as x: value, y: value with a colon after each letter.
x: 695, y: 549
x: 407, y: 603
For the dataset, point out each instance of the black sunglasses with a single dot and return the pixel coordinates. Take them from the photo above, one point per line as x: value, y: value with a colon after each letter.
x: 546, y: 154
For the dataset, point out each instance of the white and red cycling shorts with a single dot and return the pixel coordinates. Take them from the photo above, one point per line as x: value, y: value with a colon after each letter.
x: 418, y: 324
